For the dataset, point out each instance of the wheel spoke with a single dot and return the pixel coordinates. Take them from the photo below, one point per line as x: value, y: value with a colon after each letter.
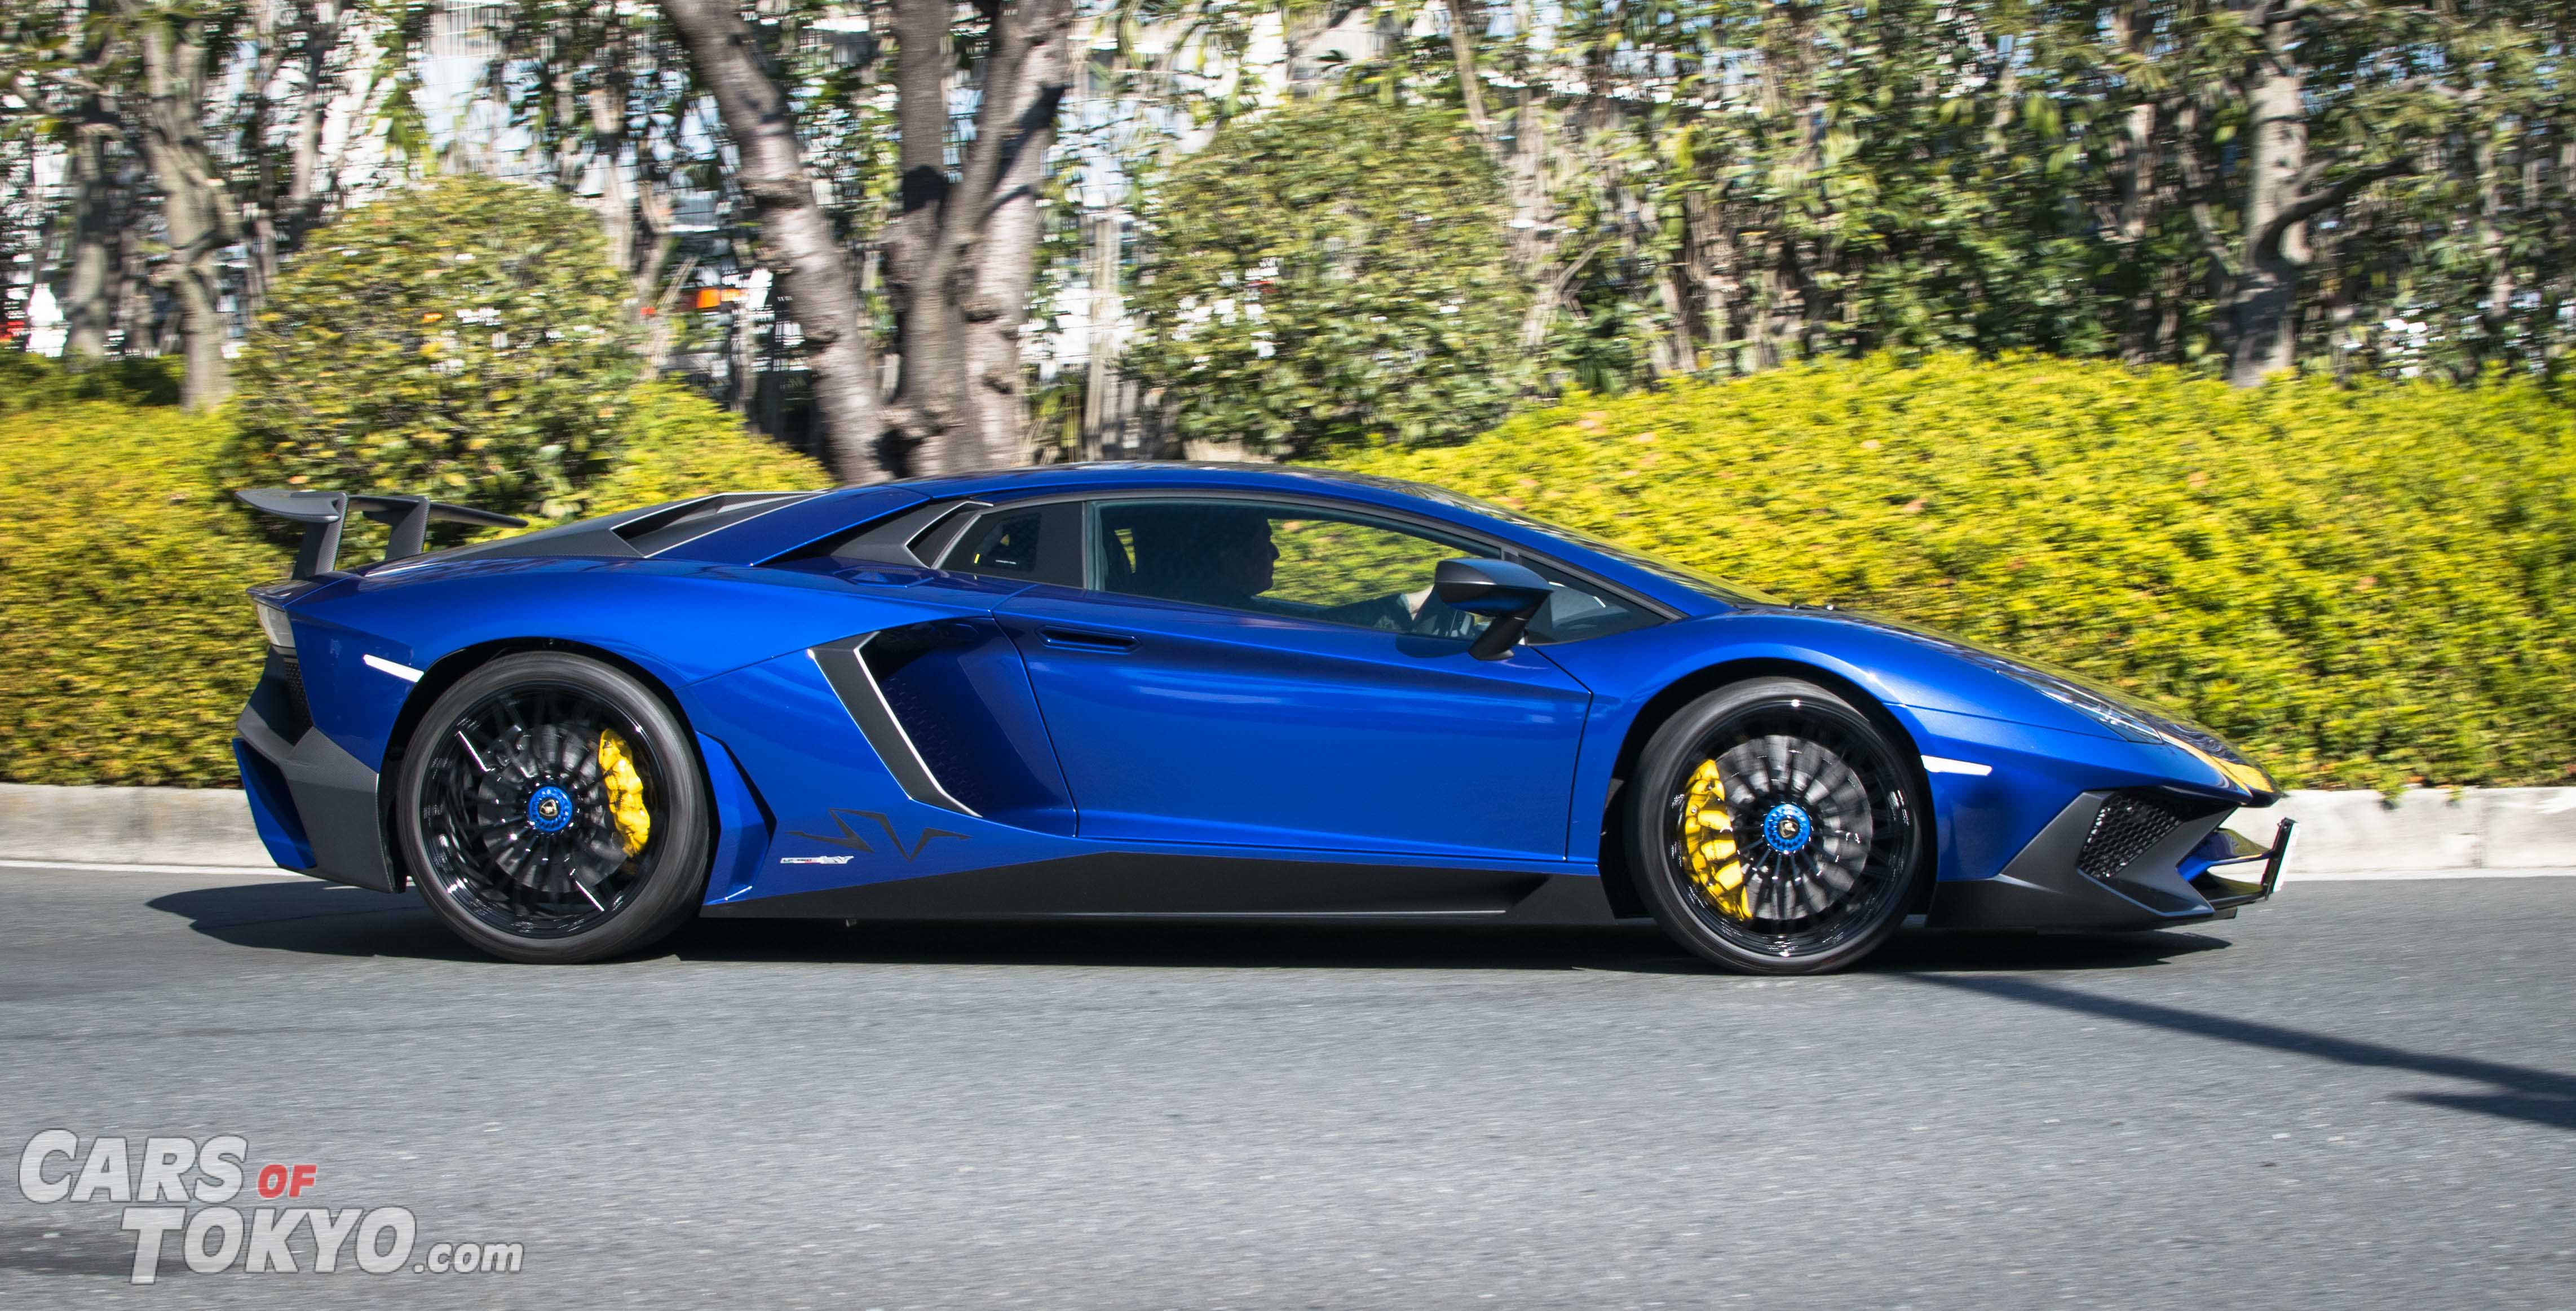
x: 514, y: 811
x: 1822, y: 832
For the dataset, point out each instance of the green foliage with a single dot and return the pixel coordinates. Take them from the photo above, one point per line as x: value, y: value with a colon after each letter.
x: 2367, y: 586
x: 465, y: 339
x: 1712, y: 188
x: 30, y: 381
x: 128, y: 642
x: 1328, y: 275
x: 680, y: 444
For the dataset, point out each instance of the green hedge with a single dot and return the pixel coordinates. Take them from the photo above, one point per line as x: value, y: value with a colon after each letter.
x: 2364, y: 587
x: 127, y: 643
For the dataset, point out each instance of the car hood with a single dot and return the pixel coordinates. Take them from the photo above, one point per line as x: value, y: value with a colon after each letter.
x: 2154, y: 721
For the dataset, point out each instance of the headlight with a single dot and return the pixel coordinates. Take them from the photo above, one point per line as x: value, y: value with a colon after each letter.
x: 2109, y: 713
x: 2198, y: 743
x: 272, y: 621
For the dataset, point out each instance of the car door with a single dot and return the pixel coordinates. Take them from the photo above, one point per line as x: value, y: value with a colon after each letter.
x: 1274, y: 674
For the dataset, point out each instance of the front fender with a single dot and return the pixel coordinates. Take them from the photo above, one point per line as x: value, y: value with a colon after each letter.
x: 2000, y: 758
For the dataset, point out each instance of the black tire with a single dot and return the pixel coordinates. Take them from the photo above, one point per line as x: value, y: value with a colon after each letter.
x: 521, y: 826
x: 1811, y: 836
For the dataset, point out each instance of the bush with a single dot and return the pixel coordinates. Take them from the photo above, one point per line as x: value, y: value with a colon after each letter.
x: 2361, y: 587
x: 30, y: 382
x: 680, y: 444
x: 1331, y: 274
x: 466, y: 339
x: 128, y: 643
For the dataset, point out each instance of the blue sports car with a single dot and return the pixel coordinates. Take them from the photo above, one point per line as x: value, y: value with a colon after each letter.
x: 1186, y: 691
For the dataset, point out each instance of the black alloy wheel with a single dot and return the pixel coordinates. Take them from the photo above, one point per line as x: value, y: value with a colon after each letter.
x: 1775, y: 828
x: 552, y: 811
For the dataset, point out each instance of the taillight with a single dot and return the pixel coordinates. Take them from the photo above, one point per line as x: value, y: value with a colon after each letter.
x: 272, y: 621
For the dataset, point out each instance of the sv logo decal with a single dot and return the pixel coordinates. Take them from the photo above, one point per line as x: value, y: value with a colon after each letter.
x: 849, y: 837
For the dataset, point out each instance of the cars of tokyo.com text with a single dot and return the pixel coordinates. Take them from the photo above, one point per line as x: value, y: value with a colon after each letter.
x: 188, y: 1188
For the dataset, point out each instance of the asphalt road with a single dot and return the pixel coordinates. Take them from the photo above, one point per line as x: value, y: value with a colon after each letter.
x: 2361, y: 1096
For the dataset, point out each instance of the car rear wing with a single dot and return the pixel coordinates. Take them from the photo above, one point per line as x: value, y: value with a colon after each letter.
x: 322, y: 514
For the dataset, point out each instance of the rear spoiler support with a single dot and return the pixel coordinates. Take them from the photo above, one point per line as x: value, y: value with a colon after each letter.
x: 322, y: 513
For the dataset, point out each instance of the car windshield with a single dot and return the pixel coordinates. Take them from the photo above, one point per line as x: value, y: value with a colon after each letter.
x: 1703, y: 583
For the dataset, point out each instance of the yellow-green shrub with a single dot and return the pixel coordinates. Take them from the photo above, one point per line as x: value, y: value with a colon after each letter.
x: 680, y: 444
x: 2361, y: 587
x: 125, y: 640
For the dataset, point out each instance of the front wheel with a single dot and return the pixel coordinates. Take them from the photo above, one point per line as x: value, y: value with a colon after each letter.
x: 551, y: 811
x: 1775, y: 829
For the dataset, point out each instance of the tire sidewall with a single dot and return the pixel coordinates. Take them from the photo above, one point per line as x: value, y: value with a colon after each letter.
x: 1658, y: 773
x: 673, y: 886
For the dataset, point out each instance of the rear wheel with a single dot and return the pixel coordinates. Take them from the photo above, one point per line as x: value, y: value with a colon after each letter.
x: 550, y: 811
x: 1776, y: 829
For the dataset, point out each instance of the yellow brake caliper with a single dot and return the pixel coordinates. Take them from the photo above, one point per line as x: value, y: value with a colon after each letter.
x: 625, y: 791
x: 1708, y: 840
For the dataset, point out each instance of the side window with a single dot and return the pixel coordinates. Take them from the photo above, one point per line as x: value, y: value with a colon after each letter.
x: 1310, y: 564
x: 1038, y: 544
x: 1337, y: 562
x: 1279, y: 560
x: 1580, y: 610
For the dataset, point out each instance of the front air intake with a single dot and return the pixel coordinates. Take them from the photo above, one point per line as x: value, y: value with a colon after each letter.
x: 2129, y: 825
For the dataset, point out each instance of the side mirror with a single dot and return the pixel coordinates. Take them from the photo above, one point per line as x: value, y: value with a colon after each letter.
x: 1508, y: 594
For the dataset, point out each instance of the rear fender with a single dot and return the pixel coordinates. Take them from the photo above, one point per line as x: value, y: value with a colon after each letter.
x: 673, y: 623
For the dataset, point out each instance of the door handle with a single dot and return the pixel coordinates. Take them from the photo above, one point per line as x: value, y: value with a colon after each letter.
x: 1083, y: 639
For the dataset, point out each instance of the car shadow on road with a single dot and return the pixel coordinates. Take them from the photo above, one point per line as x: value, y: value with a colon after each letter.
x: 327, y: 919
x: 310, y: 916
x: 1637, y: 948
x: 2515, y: 1092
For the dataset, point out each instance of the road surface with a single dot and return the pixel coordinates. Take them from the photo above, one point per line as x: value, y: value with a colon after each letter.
x: 2363, y: 1095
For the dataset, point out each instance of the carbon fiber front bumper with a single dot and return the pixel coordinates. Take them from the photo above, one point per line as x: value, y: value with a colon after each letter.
x: 2099, y: 867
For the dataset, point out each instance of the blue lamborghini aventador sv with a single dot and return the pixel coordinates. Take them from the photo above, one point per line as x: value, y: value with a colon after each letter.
x: 1188, y: 691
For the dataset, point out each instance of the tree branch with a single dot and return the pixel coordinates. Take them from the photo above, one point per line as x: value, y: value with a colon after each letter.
x: 2267, y: 243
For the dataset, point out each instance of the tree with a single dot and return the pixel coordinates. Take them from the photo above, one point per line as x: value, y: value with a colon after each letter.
x: 175, y: 46
x: 467, y: 338
x: 959, y: 250
x: 798, y: 242
x: 592, y: 88
x: 961, y: 255
x: 2287, y: 184
x: 1328, y: 275
x: 200, y: 94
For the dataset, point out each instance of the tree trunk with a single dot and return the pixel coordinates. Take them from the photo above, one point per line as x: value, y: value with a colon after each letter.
x: 1102, y: 411
x: 88, y: 295
x: 1021, y: 112
x: 797, y: 240
x: 2266, y: 300
x: 267, y: 62
x: 2496, y: 314
x: 1462, y: 53
x: 1673, y: 350
x: 962, y: 255
x: 2133, y: 179
x: 616, y: 209
x: 196, y: 209
x: 928, y: 410
x: 302, y: 210
x: 1712, y: 263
